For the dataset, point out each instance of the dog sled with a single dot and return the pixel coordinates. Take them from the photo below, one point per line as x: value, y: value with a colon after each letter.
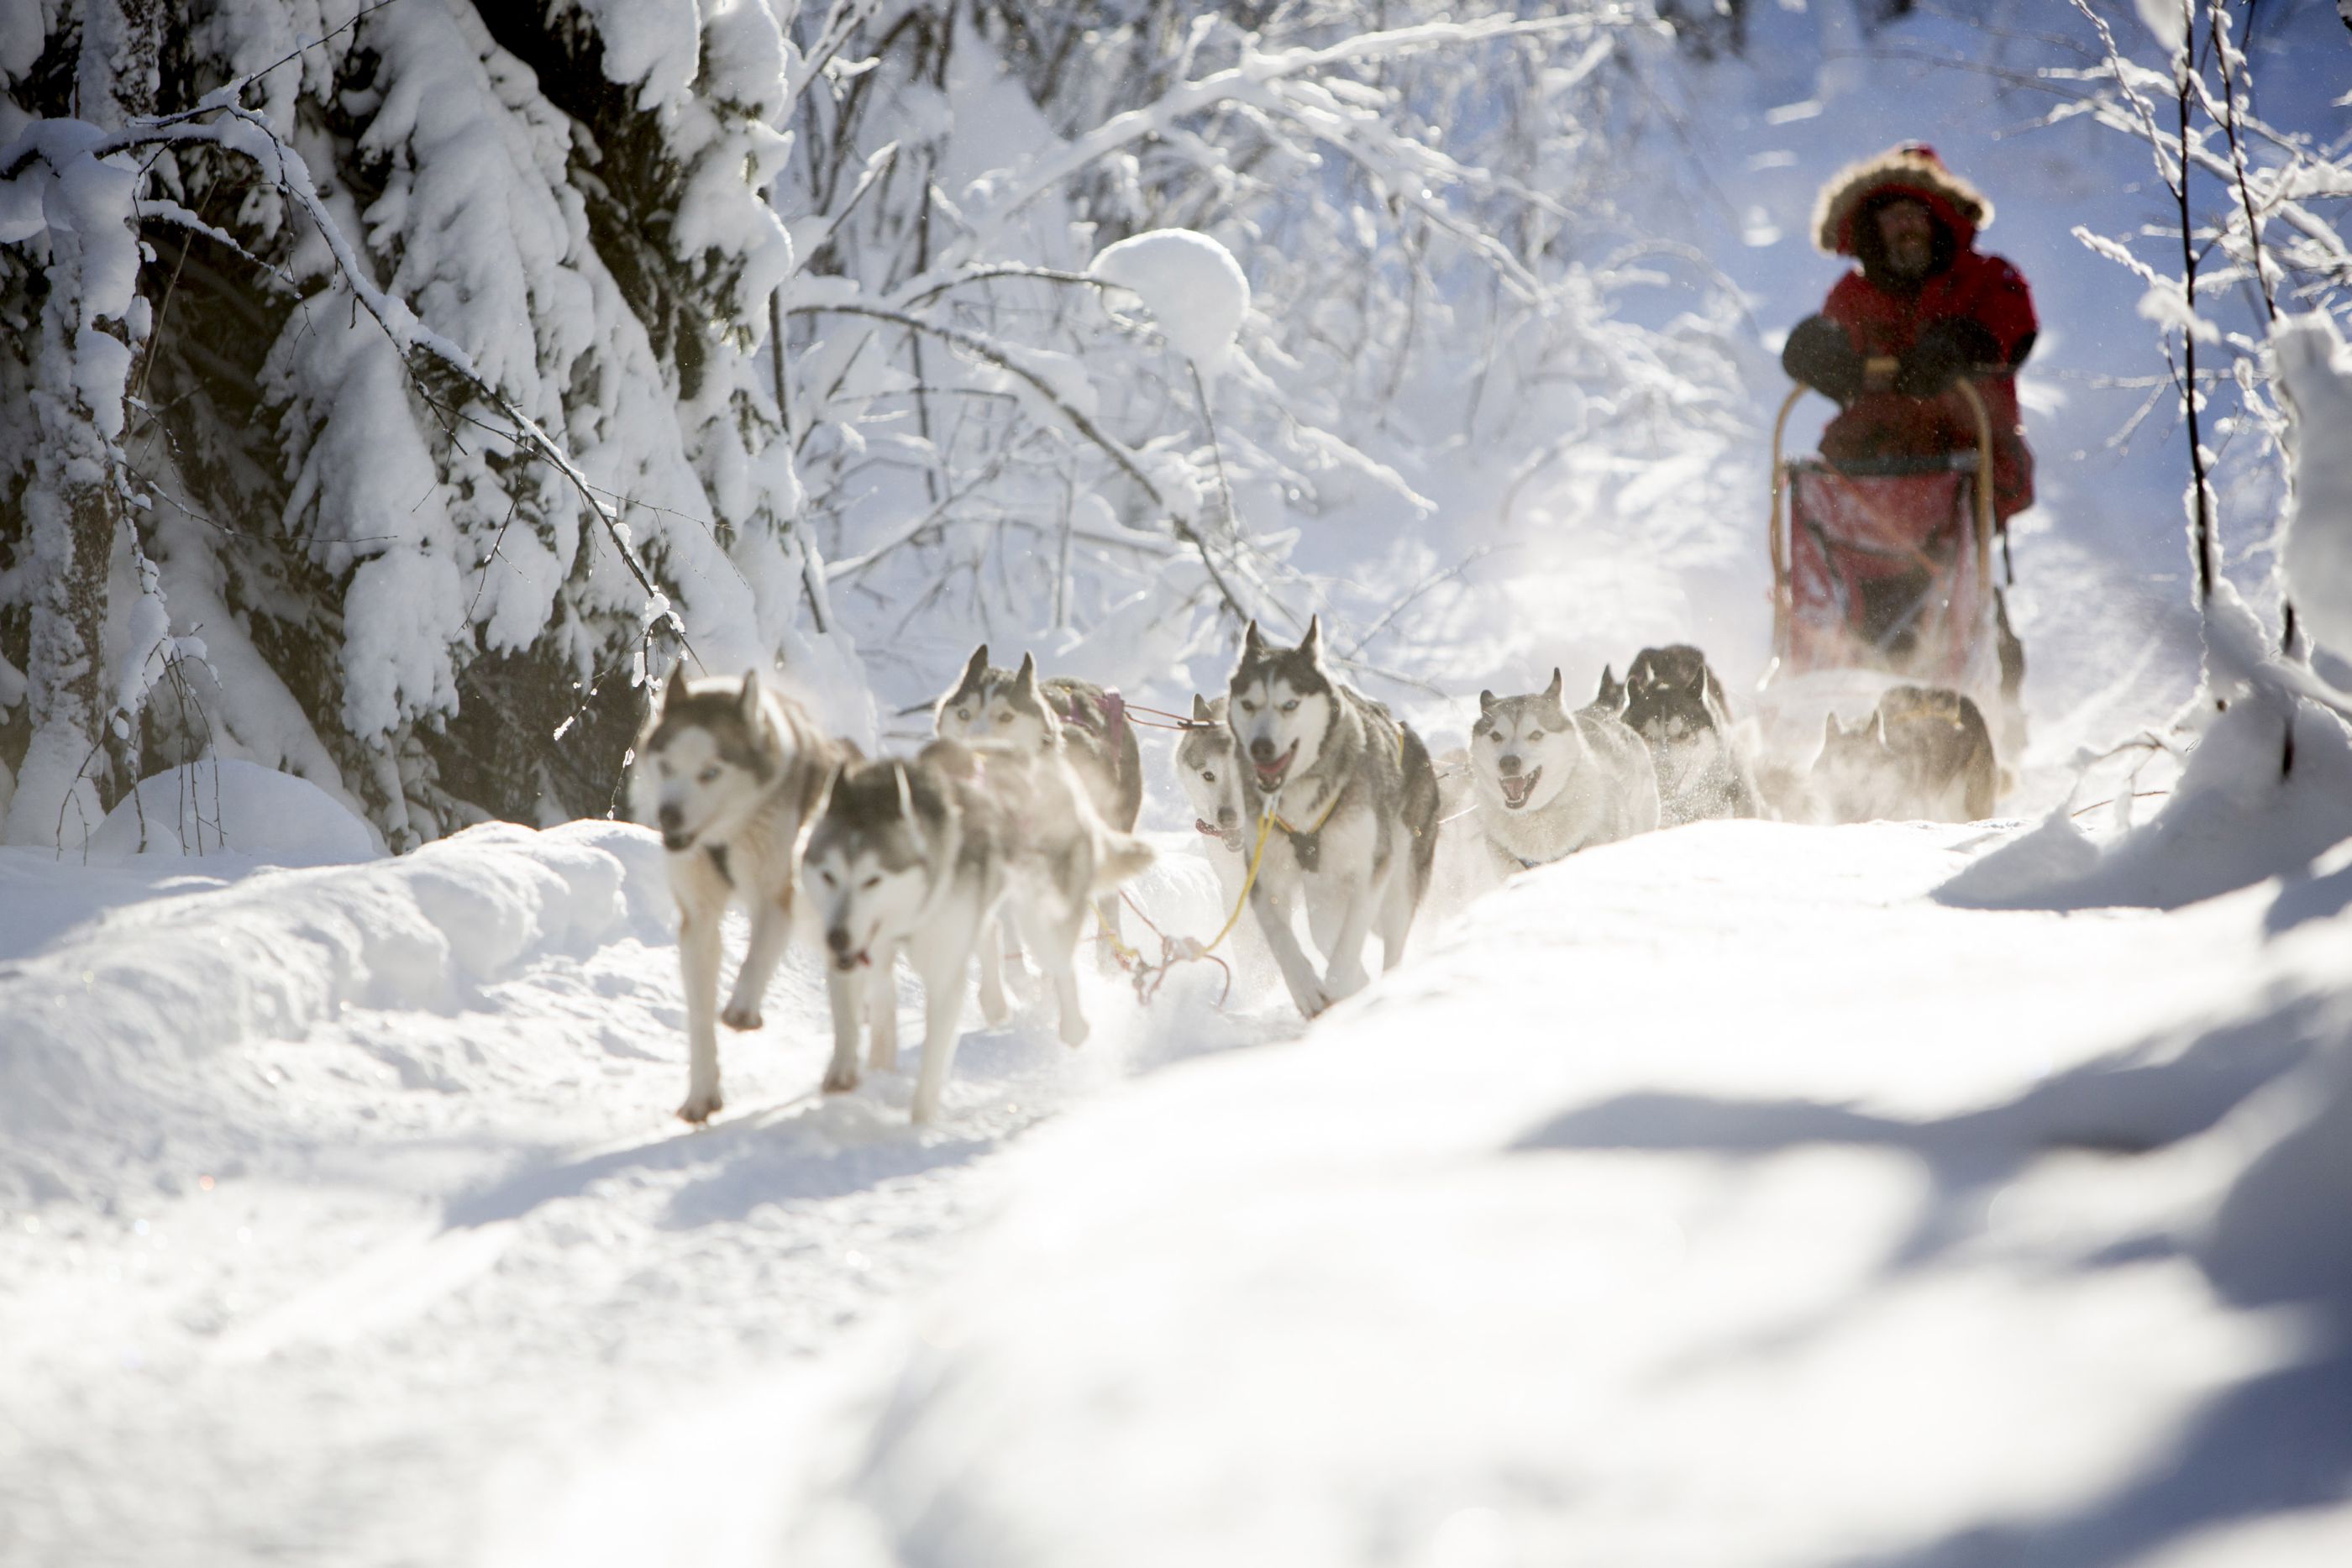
x: 1882, y: 575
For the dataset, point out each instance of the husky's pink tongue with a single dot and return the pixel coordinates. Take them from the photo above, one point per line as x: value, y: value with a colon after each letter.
x: 1270, y: 775
x: 1517, y: 790
x: 1207, y: 828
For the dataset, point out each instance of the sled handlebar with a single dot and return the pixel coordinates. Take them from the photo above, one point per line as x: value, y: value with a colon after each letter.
x: 1783, y: 604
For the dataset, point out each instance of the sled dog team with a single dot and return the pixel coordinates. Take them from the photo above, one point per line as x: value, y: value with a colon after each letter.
x: 1017, y: 825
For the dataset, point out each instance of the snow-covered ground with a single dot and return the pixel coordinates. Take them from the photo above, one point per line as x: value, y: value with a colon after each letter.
x: 1722, y: 1195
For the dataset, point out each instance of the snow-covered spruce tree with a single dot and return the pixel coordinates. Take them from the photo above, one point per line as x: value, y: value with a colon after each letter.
x: 433, y: 399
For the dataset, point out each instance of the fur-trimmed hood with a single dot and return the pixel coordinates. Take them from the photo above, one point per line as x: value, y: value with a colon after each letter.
x: 1910, y: 170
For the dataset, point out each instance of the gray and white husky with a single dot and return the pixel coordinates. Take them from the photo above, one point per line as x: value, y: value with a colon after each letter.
x: 1353, y: 800
x: 1675, y: 703
x: 1924, y: 755
x: 1085, y: 724
x: 915, y: 858
x: 1550, y: 782
x: 1208, y: 768
x: 730, y: 772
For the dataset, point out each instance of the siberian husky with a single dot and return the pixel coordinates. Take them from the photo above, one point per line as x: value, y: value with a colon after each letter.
x: 1208, y: 767
x: 1550, y: 782
x: 1355, y: 799
x: 915, y: 857
x: 1674, y: 702
x: 1924, y: 755
x: 1082, y: 721
x: 731, y: 773
x: 1086, y: 723
x: 1609, y: 702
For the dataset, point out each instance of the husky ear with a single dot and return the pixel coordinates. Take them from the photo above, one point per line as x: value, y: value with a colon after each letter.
x: 1200, y: 714
x: 1253, y: 642
x: 974, y: 669
x: 1551, y: 692
x: 1699, y: 677
x: 748, y: 699
x: 1878, y: 727
x: 1485, y: 703
x: 1312, y: 643
x: 674, y: 690
x: 1025, y: 677
x: 1832, y: 730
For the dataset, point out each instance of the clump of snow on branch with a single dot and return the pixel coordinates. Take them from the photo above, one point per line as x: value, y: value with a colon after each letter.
x: 1190, y: 283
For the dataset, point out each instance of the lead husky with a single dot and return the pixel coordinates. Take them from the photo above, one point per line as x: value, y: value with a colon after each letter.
x: 1550, y: 782
x: 1674, y: 702
x: 915, y: 858
x: 1355, y: 799
x: 729, y: 773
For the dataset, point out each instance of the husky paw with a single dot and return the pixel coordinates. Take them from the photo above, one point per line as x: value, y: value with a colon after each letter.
x: 1075, y: 1030
x: 700, y: 1108
x: 840, y: 1080
x: 740, y: 1016
x: 1346, y: 982
x: 1315, y: 1002
x: 993, y: 1008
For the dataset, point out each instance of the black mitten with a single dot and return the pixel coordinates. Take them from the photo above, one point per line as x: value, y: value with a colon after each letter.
x: 1945, y: 351
x: 1819, y: 354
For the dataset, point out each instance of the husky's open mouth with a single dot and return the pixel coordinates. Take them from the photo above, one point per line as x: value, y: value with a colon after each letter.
x: 1517, y: 790
x: 677, y: 840
x: 1270, y: 775
x: 1207, y: 829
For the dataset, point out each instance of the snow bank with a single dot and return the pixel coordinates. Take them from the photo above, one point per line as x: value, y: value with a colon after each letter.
x: 257, y: 813
x: 1192, y: 285
x: 104, y: 1068
x: 2234, y: 819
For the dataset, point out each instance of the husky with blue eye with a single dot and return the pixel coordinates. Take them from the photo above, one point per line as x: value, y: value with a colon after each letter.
x: 1351, y: 803
x: 729, y: 773
x: 915, y: 858
x: 1550, y: 782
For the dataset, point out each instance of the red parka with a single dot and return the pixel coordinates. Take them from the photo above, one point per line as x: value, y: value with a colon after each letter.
x: 1883, y: 316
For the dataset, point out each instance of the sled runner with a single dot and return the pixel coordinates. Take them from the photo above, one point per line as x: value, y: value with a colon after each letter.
x: 1881, y: 574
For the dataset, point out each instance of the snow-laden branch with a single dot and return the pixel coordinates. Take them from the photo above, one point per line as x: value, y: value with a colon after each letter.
x: 1253, y: 80
x: 1007, y: 358
x: 234, y: 128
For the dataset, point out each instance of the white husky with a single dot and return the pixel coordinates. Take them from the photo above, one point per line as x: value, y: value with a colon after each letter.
x: 729, y: 773
x: 915, y: 857
x: 1550, y: 782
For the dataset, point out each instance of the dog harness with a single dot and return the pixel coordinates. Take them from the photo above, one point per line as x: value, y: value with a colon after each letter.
x: 1304, y: 843
x: 1113, y: 725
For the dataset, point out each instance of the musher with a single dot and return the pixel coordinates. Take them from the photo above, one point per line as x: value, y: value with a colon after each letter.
x: 1925, y: 309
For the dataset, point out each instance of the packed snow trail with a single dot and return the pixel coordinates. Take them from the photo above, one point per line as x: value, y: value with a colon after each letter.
x: 339, y: 1204
x: 1717, y: 1197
